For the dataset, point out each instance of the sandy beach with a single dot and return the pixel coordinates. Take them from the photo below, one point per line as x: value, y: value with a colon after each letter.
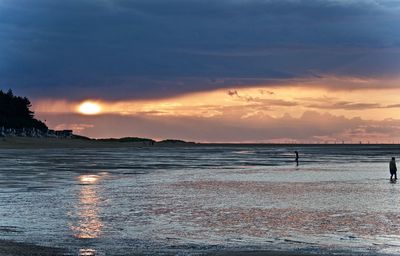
x: 29, y: 143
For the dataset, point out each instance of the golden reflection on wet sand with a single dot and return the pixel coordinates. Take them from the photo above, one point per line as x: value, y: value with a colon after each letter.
x: 87, y: 252
x: 261, y: 222
x: 88, y: 224
x: 89, y: 179
x: 268, y: 187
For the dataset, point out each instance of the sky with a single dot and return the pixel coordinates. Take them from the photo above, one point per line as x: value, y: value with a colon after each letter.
x: 210, y: 71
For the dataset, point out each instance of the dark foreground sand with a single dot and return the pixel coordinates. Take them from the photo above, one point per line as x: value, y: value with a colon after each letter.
x: 9, y: 248
x: 261, y: 253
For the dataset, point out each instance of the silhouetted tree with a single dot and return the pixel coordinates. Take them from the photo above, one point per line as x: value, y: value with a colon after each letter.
x: 15, y: 112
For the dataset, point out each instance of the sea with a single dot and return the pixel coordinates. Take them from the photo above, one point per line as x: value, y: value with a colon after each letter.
x: 202, y: 199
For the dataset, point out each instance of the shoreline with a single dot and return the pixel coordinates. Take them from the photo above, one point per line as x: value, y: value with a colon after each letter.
x: 43, y: 143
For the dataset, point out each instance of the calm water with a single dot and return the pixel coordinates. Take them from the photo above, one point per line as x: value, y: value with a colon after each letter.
x: 153, y: 200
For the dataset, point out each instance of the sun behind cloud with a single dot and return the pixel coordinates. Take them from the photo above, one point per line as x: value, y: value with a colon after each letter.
x: 89, y: 108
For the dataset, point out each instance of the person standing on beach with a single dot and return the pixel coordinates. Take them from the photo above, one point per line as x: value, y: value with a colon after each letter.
x: 393, y: 169
x: 297, y: 158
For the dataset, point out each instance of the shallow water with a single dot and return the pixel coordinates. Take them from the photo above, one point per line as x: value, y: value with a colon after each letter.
x: 153, y: 200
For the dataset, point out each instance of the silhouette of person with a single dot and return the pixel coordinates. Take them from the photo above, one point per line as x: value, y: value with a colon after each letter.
x: 393, y: 169
x: 297, y: 158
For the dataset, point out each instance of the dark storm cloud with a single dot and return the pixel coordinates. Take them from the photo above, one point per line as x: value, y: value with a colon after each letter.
x: 155, y: 48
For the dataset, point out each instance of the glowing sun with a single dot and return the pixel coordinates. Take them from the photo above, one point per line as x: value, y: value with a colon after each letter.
x: 89, y: 108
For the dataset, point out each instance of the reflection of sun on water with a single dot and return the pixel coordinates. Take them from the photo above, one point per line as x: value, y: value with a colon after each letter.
x: 87, y: 252
x: 88, y: 179
x: 88, y: 224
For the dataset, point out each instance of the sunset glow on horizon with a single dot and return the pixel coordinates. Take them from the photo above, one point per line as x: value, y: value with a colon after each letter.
x: 374, y: 104
x: 260, y: 108
x: 89, y: 108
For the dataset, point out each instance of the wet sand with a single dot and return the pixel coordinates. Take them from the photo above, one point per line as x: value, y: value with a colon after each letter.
x: 267, y: 253
x: 10, y: 248
x: 198, y: 201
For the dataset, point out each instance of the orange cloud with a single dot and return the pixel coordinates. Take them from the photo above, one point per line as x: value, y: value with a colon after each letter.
x: 371, y: 104
x: 252, y: 110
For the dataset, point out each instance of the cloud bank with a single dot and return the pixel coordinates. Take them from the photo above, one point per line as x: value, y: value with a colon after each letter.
x: 241, y: 115
x: 139, y: 49
x: 310, y: 127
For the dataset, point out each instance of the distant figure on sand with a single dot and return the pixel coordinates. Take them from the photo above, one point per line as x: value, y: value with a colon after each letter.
x: 393, y: 169
x: 297, y: 158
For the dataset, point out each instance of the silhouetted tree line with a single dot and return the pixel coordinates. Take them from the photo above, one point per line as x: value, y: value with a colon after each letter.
x: 15, y: 112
